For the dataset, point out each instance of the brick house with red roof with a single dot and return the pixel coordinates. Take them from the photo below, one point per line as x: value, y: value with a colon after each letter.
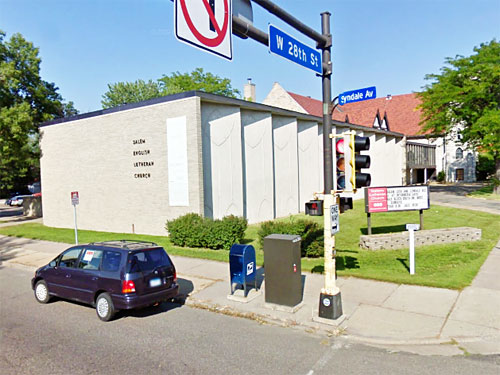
x: 425, y: 155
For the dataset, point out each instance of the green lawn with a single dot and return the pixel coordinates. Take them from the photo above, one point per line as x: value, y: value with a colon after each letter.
x: 447, y: 266
x: 485, y: 192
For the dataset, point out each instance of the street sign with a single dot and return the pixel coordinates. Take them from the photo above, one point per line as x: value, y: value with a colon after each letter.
x: 74, y: 198
x: 286, y: 46
x: 334, y: 217
x: 358, y: 95
x: 205, y: 24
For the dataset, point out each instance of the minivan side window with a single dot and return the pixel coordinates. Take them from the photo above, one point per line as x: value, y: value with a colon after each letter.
x: 69, y: 258
x: 147, y: 260
x: 91, y: 259
x: 111, y: 261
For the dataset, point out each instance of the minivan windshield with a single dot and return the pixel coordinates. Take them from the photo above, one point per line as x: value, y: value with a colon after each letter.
x: 147, y: 260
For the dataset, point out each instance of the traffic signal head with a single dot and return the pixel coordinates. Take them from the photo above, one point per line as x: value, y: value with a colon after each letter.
x: 340, y: 164
x: 314, y: 208
x: 358, y: 161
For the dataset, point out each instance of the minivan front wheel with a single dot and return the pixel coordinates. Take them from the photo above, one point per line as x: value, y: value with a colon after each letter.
x: 42, y: 292
x: 104, y: 307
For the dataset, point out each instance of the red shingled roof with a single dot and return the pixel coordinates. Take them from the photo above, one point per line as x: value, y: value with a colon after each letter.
x: 401, y: 111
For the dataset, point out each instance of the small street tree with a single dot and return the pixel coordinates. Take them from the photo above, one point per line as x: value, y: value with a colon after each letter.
x: 25, y: 101
x: 467, y: 93
x: 131, y: 92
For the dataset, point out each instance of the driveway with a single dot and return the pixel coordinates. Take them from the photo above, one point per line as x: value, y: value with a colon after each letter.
x: 455, y: 196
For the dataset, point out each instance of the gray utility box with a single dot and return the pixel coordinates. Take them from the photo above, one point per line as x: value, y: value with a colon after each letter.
x: 282, y: 269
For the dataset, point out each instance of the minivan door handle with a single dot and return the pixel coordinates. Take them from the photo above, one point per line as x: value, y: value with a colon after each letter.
x: 68, y: 275
x: 95, y: 278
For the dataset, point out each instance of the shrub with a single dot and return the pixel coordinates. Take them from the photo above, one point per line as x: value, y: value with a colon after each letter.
x: 186, y: 230
x: 309, y: 231
x: 192, y: 230
x: 441, y: 176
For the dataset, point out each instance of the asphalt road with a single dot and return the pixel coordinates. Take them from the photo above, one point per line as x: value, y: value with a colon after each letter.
x: 67, y: 338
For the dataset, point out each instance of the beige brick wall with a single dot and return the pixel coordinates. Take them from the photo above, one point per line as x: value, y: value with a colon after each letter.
x: 123, y: 186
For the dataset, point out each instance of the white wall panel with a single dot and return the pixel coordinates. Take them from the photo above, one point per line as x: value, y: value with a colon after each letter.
x: 286, y: 173
x: 222, y: 160
x: 309, y: 168
x: 258, y: 165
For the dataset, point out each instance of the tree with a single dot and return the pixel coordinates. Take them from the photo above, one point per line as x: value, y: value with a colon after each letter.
x: 25, y: 101
x: 467, y: 93
x: 197, y: 80
x: 131, y: 92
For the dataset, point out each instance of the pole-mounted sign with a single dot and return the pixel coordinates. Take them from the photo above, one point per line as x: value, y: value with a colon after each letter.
x: 75, y: 200
x: 358, y: 95
x: 284, y: 45
x: 205, y: 24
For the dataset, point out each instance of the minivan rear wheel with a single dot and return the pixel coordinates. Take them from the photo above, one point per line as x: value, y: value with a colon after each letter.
x: 42, y: 292
x: 104, y: 307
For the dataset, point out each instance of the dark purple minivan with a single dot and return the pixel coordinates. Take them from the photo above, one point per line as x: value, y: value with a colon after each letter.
x: 110, y: 275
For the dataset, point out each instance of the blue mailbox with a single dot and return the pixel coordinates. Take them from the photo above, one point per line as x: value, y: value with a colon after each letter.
x: 242, y: 266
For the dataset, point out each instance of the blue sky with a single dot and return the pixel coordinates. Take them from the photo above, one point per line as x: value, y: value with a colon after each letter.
x: 390, y: 44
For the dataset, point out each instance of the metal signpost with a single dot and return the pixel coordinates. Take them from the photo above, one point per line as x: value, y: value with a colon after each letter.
x: 75, y: 200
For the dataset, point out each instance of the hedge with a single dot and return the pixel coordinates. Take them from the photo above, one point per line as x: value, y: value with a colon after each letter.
x: 192, y: 230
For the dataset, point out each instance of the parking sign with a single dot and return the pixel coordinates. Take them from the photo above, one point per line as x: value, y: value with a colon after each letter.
x: 205, y: 24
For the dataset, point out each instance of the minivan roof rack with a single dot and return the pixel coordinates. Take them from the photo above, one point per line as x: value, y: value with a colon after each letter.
x: 126, y: 244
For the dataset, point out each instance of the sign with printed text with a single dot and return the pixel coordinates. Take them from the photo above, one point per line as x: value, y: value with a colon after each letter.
x: 286, y: 46
x: 75, y: 199
x: 205, y: 24
x: 334, y: 217
x: 396, y: 198
x: 358, y: 95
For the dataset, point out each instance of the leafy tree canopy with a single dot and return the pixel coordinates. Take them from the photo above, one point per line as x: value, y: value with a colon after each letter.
x: 131, y: 92
x: 25, y: 101
x: 467, y: 93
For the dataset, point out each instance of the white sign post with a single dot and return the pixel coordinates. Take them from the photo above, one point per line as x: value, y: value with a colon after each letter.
x: 206, y: 25
x: 75, y: 199
x: 412, y: 228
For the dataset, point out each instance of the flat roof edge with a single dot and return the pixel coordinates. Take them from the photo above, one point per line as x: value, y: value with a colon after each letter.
x: 125, y: 107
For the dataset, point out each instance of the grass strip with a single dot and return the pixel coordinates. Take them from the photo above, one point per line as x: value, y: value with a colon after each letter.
x: 450, y: 266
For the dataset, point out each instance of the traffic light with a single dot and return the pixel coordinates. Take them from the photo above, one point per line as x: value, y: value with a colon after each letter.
x: 358, y: 161
x: 340, y: 164
x: 345, y: 204
x: 314, y: 208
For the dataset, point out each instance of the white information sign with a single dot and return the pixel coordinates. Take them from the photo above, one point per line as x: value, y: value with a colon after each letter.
x: 407, y: 198
x: 334, y: 217
x: 205, y: 24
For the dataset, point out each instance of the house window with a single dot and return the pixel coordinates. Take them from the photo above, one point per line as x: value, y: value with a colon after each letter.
x: 460, y: 153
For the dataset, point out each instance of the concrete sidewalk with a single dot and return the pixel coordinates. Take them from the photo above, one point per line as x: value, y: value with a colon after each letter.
x: 399, y: 317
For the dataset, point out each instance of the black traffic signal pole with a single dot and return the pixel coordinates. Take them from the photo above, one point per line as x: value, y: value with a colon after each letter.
x: 330, y: 305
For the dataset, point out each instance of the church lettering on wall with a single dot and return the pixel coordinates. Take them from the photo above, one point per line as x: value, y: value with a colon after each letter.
x: 139, y: 151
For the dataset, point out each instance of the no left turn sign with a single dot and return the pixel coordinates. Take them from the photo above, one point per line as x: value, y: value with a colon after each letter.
x: 206, y: 24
